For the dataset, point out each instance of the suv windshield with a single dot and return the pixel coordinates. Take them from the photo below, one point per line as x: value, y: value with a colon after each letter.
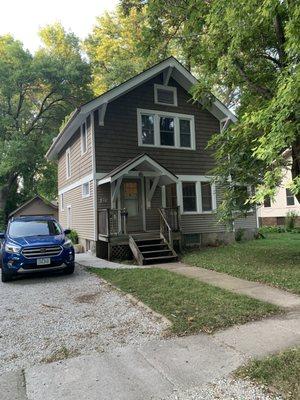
x: 34, y: 228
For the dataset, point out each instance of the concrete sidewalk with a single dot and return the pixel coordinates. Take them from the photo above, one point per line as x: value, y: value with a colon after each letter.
x: 256, y: 290
x: 159, y: 368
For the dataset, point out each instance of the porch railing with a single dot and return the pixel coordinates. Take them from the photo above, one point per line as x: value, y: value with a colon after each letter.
x: 112, y: 222
x: 172, y: 217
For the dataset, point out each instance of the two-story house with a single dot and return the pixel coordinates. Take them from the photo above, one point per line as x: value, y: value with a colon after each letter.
x: 134, y: 168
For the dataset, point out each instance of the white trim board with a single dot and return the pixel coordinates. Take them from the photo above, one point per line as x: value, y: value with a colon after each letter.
x: 178, y: 72
x: 74, y: 185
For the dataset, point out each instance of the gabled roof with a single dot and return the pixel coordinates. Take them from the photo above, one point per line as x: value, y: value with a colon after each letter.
x: 48, y: 203
x: 143, y: 162
x: 171, y: 64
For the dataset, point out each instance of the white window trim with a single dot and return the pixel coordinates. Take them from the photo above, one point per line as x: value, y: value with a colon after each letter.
x: 164, y: 87
x: 86, y: 138
x: 69, y: 216
x: 89, y: 191
x: 68, y: 170
x: 176, y: 117
x: 62, y: 206
x: 197, y: 179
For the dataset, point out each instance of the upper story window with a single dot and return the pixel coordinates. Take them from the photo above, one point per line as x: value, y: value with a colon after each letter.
x: 86, y: 189
x: 83, y: 138
x: 290, y: 199
x: 68, y: 163
x: 165, y: 95
x: 164, y: 129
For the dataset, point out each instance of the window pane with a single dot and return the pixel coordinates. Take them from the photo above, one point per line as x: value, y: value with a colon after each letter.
x: 167, y: 131
x: 148, y: 129
x: 185, y: 132
x: 290, y: 200
x: 189, y: 196
x: 206, y: 196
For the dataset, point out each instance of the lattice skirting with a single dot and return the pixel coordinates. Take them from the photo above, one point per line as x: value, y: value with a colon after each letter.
x: 121, y: 252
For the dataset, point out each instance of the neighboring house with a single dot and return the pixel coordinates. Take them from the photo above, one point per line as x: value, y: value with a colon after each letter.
x: 274, y: 211
x: 36, y: 206
x: 141, y: 147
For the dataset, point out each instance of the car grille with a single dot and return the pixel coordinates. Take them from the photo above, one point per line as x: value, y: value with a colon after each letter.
x: 37, y: 252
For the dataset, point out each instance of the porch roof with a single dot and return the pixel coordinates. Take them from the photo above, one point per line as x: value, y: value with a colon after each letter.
x: 142, y: 164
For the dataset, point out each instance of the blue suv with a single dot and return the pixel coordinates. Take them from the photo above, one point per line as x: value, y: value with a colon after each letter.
x: 35, y: 244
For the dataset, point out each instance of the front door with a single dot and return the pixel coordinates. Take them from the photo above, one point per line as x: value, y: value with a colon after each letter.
x: 131, y: 199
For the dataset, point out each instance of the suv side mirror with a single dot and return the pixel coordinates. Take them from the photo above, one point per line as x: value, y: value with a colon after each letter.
x: 2, y: 235
x: 67, y: 231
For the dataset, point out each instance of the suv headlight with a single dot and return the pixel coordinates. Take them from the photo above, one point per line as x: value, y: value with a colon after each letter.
x: 68, y: 244
x: 12, y: 248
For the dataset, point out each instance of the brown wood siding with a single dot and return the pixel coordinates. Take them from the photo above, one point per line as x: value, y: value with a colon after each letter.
x: 82, y: 212
x: 117, y: 140
x: 81, y: 165
x: 249, y: 222
x: 37, y: 207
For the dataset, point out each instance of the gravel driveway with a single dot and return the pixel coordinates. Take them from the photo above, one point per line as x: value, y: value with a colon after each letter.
x: 43, y: 319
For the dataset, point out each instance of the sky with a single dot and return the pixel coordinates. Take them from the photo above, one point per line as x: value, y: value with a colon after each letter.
x: 24, y: 18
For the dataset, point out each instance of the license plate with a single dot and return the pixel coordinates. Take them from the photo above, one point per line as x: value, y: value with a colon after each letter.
x: 43, y: 261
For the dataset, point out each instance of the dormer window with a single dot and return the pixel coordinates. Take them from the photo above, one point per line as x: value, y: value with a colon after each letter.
x: 165, y: 95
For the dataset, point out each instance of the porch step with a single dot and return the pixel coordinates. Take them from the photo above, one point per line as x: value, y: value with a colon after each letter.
x: 151, y: 250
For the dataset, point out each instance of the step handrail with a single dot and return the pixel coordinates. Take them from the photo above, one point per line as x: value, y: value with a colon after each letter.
x: 164, y: 224
x: 135, y: 250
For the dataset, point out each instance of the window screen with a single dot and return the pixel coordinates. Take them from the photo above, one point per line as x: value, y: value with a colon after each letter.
x: 166, y: 125
x: 206, y: 196
x: 165, y: 96
x: 290, y: 200
x: 148, y: 129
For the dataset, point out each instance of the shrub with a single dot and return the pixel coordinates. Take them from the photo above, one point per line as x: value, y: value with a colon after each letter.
x: 239, y: 234
x: 73, y: 236
x: 271, y: 229
x: 290, y: 220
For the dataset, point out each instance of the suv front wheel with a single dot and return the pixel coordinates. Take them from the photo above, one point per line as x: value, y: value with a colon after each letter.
x: 69, y: 269
x: 5, y: 276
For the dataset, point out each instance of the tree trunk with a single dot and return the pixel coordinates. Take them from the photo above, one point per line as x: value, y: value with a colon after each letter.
x: 4, y: 193
x: 296, y: 162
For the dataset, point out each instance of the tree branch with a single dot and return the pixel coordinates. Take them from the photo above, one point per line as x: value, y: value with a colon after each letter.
x: 279, y: 31
x: 257, y: 88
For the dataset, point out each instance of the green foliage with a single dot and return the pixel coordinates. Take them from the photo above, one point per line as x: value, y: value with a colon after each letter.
x: 274, y: 260
x: 36, y: 93
x: 248, y: 55
x: 272, y: 229
x: 239, y: 234
x: 290, y: 220
x: 73, y: 236
x: 190, y: 305
x: 280, y: 372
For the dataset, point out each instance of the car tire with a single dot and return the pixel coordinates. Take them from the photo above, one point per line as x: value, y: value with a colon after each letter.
x: 5, y: 277
x: 69, y: 269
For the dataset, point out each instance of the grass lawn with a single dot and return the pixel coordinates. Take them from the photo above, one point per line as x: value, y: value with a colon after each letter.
x: 274, y: 260
x: 281, y: 373
x: 192, y: 306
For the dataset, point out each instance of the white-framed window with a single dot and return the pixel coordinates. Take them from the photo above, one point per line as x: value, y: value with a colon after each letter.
x: 165, y: 129
x: 68, y: 163
x: 290, y: 199
x: 196, y: 195
x: 62, y: 202
x: 84, y: 137
x: 69, y: 217
x: 86, y: 189
x: 165, y: 95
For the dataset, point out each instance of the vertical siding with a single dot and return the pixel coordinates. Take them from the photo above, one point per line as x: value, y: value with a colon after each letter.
x: 82, y: 212
x: 81, y: 165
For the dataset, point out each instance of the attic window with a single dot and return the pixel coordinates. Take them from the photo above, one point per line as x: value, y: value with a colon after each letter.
x: 165, y: 95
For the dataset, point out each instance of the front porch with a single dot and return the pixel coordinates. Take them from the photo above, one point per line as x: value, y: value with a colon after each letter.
x: 135, y: 212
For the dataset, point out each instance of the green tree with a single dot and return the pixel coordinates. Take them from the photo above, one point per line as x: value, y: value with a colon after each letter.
x: 36, y: 93
x: 117, y: 50
x: 249, y: 54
